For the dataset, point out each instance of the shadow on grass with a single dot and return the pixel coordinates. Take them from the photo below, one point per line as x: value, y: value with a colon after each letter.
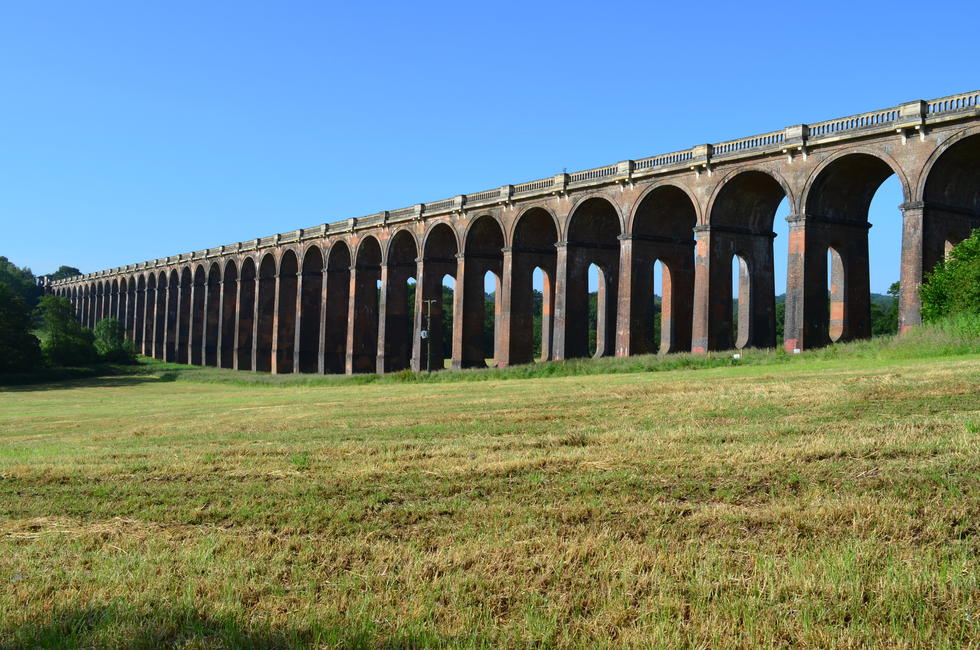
x: 114, y: 626
x: 102, y: 375
x: 91, y: 382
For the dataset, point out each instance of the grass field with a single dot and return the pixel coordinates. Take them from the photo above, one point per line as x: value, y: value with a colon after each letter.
x: 820, y: 502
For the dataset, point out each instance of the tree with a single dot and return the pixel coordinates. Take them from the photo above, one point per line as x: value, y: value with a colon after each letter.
x: 953, y: 286
x: 20, y: 350
x: 63, y: 273
x: 111, y: 343
x: 20, y: 281
x: 884, y: 312
x: 65, y: 342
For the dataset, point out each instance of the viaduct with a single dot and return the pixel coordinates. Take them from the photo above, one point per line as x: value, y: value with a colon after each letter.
x: 334, y: 298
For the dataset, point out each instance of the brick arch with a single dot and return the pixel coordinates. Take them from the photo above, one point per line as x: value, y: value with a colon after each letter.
x: 590, y: 240
x: 533, y: 238
x: 511, y: 232
x: 307, y: 357
x: 482, y: 219
x: 564, y: 231
x: 399, y: 233
x: 363, y: 241
x: 435, y: 224
x: 337, y: 263
x: 862, y: 156
x: 661, y: 229
x: 364, y: 318
x: 284, y: 324
x: 740, y: 175
x: 658, y: 186
x: 937, y: 154
x: 305, y: 253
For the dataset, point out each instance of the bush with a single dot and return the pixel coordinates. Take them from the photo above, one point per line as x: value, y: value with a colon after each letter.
x: 65, y: 342
x: 953, y: 287
x: 111, y: 343
x: 20, y: 350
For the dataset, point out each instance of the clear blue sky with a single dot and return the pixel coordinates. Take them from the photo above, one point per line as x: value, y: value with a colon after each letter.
x: 135, y: 130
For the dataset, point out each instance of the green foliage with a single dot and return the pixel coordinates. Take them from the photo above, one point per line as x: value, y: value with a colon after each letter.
x: 20, y: 350
x: 64, y: 342
x: 20, y: 281
x: 111, y: 343
x: 884, y: 312
x: 953, y: 286
x: 64, y: 272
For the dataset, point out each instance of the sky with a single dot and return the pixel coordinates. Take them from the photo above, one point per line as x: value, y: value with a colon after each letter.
x: 131, y: 131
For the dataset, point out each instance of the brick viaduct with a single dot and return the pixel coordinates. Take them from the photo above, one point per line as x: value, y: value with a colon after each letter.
x: 308, y: 300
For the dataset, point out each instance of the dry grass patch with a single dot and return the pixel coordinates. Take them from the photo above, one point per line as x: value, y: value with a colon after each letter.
x: 832, y: 504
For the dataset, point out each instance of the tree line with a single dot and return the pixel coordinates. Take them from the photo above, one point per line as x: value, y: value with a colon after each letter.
x: 38, y: 330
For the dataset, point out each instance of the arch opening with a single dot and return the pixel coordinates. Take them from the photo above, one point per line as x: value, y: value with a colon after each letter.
x: 593, y: 240
x: 198, y: 281
x: 661, y: 302
x: 309, y: 356
x: 161, y: 316
x: 543, y: 303
x: 287, y: 284
x: 483, y: 254
x: 246, y: 314
x: 741, y: 225
x: 659, y: 341
x: 228, y: 332
x: 840, y: 244
x: 434, y: 300
x: 365, y: 318
x: 212, y: 316
x: 531, y: 301
x: 129, y: 312
x: 335, y: 322
x: 265, y: 315
x: 139, y: 314
x: 950, y: 212
x: 398, y: 298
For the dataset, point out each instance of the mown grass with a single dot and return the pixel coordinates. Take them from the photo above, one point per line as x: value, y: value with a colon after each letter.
x: 827, y: 500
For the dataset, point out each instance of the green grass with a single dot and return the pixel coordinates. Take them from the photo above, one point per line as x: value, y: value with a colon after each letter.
x: 828, y: 500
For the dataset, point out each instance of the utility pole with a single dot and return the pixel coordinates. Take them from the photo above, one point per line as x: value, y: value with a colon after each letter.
x: 427, y: 334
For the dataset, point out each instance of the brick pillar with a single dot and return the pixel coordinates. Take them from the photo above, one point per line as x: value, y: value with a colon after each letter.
x: 274, y: 361
x: 298, y: 319
x: 321, y: 348
x: 512, y: 320
x: 457, y: 361
x: 913, y: 249
x: 762, y: 291
x: 628, y: 330
x: 221, y: 355
x: 383, y: 361
x: 351, y: 320
x: 420, y: 345
x: 561, y: 293
x: 547, y: 315
x: 802, y: 325
x: 710, y: 330
x: 807, y: 322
